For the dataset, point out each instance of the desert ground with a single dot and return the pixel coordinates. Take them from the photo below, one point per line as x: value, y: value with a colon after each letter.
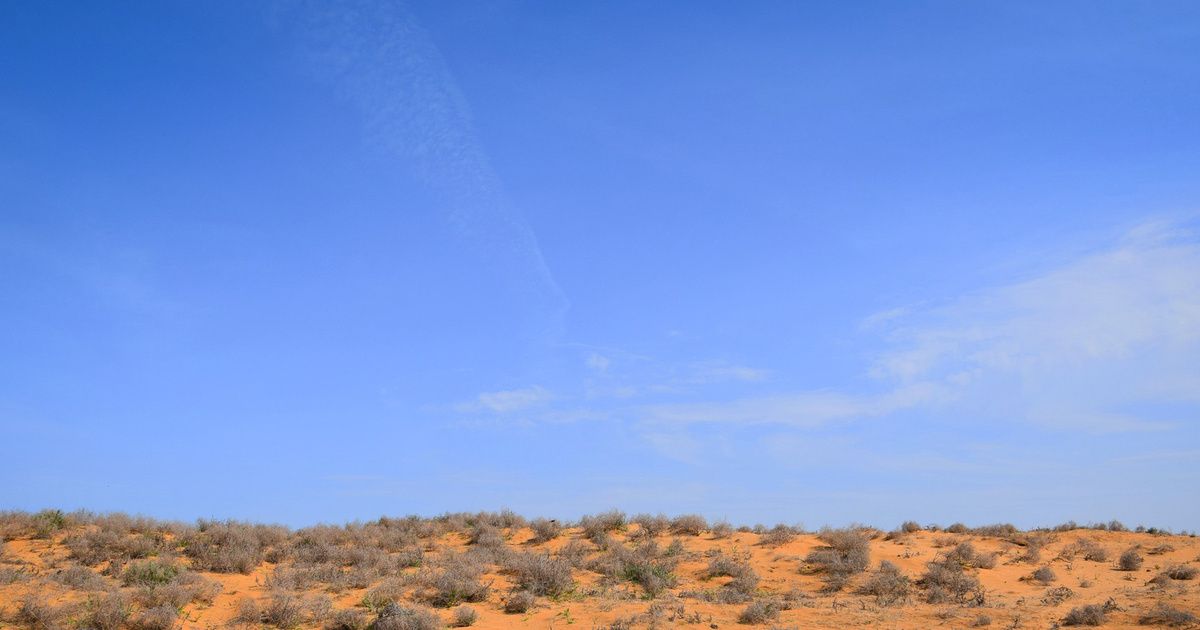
x: 607, y: 571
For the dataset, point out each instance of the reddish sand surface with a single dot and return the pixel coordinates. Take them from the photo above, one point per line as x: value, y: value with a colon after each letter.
x: 1010, y: 598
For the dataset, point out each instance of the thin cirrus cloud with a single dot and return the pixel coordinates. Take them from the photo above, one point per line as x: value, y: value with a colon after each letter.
x: 376, y: 56
x: 1106, y: 343
x: 507, y: 401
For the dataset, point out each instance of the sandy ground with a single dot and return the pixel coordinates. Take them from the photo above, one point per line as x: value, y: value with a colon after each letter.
x: 1012, y: 600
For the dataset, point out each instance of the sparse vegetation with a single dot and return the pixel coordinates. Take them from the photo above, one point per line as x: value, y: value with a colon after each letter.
x: 68, y: 571
x: 1167, y: 615
x: 1089, y: 615
x: 846, y: 552
x: 759, y: 612
x: 1130, y: 561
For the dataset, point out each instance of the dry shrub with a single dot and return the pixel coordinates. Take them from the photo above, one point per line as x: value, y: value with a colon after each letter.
x: 519, y: 602
x: 910, y: 527
x: 947, y: 581
x: 688, y: 524
x: 38, y: 614
x: 574, y: 552
x: 981, y: 621
x: 888, y: 584
x: 1089, y: 615
x: 163, y: 617
x: 1161, y: 549
x: 965, y: 555
x: 544, y: 530
x: 1130, y: 561
x: 149, y: 573
x: 346, y: 619
x: 652, y: 526
x: 1181, y: 572
x: 396, y: 617
x: 464, y: 616
x: 283, y: 610
x: 1164, y: 614
x: 486, y: 535
x: 759, y: 612
x: 1043, y: 575
x: 999, y: 530
x: 79, y: 578
x: 957, y: 528
x: 644, y: 565
x: 779, y: 535
x: 845, y: 553
x: 458, y: 582
x: 231, y: 546
x: 1056, y: 596
x: 383, y: 594
x: 93, y: 547
x: 610, y: 521
x: 110, y: 611
x: 721, y: 529
x: 248, y: 612
x: 541, y: 574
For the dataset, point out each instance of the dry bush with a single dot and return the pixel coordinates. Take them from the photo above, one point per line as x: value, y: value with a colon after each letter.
x: 999, y: 530
x: 845, y: 553
x: 888, y: 584
x: 163, y: 617
x: 910, y: 527
x: 1160, y: 549
x: 283, y: 610
x: 545, y: 530
x: 964, y: 554
x: 149, y: 573
x: 94, y: 546
x: 541, y: 574
x: 759, y: 612
x: 721, y: 529
x: 346, y: 619
x: 110, y: 611
x: 1089, y: 615
x: 381, y: 595
x: 1181, y: 572
x: 519, y: 602
x: 574, y: 552
x: 1117, y: 526
x: 688, y: 524
x: 1087, y: 548
x: 1130, y: 561
x: 644, y: 565
x: 1043, y: 575
x: 981, y: 621
x: 1167, y: 615
x: 947, y: 581
x: 80, y: 578
x: 464, y: 616
x: 396, y: 617
x: 486, y: 535
x: 610, y: 521
x: 652, y: 526
x: 38, y: 614
x: 456, y: 583
x: 781, y: 534
x: 1056, y: 596
x: 957, y: 528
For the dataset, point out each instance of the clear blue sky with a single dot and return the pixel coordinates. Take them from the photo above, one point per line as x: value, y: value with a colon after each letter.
x: 796, y: 261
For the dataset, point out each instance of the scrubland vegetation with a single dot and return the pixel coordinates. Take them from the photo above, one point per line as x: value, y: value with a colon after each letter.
x: 607, y: 571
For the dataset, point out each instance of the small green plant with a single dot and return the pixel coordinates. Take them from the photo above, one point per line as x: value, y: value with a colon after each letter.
x: 149, y: 573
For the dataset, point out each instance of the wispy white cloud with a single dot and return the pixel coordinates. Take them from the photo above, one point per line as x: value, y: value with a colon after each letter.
x: 507, y: 401
x: 1080, y: 347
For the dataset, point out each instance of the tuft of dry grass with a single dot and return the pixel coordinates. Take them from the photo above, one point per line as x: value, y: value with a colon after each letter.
x: 1089, y: 615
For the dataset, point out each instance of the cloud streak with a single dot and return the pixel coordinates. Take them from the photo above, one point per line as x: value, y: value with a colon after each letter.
x: 377, y: 56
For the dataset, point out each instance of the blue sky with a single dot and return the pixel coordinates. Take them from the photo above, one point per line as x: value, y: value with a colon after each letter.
x: 805, y: 262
